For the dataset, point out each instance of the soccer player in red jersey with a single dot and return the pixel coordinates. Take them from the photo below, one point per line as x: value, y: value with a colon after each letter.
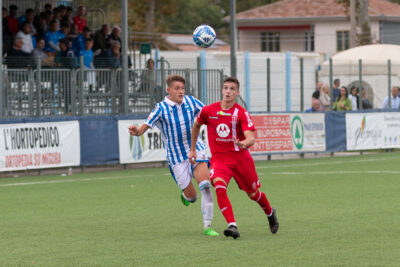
x: 230, y: 132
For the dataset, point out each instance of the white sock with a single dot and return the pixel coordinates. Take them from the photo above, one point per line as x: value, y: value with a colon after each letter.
x: 232, y: 223
x: 207, y: 204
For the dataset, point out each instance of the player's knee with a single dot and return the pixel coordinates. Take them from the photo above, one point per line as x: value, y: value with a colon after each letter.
x: 191, y: 199
x: 220, y: 188
x: 254, y: 195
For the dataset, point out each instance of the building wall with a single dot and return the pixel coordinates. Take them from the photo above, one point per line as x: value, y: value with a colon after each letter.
x: 290, y: 40
x: 325, y: 35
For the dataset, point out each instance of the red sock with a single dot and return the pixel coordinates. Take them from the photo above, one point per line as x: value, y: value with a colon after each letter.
x: 223, y: 202
x: 262, y: 200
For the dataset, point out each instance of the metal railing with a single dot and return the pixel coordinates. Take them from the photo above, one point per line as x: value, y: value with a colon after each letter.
x: 36, y: 91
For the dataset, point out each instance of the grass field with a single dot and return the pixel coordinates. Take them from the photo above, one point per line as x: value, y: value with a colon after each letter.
x: 332, y: 211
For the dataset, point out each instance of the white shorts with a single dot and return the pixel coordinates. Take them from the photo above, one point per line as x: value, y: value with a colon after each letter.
x: 183, y: 171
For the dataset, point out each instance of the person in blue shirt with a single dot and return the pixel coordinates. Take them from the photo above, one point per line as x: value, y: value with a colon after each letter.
x: 336, y: 89
x: 78, y: 43
x: 51, y: 38
x: 315, y: 103
x: 87, y: 55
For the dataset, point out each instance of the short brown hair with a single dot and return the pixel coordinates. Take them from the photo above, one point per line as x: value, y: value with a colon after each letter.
x: 232, y: 79
x: 174, y: 78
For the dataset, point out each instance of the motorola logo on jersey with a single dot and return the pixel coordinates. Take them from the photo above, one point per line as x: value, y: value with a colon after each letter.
x: 223, y: 130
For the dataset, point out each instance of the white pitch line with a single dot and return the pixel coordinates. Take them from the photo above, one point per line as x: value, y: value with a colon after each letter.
x: 332, y: 172
x: 320, y: 163
x: 77, y: 180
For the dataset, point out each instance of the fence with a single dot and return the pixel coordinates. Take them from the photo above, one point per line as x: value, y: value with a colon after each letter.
x: 37, y: 91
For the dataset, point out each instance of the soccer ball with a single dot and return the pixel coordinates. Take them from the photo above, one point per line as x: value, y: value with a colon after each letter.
x: 204, y: 36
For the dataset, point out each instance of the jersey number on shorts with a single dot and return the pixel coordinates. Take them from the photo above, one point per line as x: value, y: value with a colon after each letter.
x: 211, y: 173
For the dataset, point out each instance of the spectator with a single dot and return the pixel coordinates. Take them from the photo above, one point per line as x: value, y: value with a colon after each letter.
x: 48, y: 7
x: 63, y: 10
x: 25, y: 35
x: 315, y: 105
x: 365, y: 101
x: 325, y: 97
x: 319, y: 86
x: 57, y: 16
x: 353, y: 96
x: 79, y: 20
x: 16, y: 58
x: 114, y: 37
x: 100, y: 40
x: 12, y: 21
x: 78, y: 43
x: 7, y: 35
x: 87, y: 55
x: 65, y: 31
x: 336, y: 90
x: 29, y: 17
x: 41, y: 25
x: 114, y: 55
x: 394, y: 99
x: 39, y: 52
x: 149, y: 79
x: 49, y: 17
x: 65, y: 57
x: 68, y: 19
x: 342, y: 103
x: 51, y: 38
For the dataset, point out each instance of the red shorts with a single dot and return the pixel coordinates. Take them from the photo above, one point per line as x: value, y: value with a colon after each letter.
x: 239, y: 165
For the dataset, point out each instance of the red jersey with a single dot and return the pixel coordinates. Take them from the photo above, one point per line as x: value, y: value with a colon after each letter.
x: 223, y: 126
x: 80, y: 23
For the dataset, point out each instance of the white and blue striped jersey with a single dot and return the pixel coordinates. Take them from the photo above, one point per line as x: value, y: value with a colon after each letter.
x: 175, y: 123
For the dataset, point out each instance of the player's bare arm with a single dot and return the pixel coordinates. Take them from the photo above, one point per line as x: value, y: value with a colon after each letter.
x: 138, y: 131
x: 249, y: 141
x: 195, y: 135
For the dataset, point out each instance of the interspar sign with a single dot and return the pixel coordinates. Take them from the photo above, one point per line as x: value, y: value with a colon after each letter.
x: 146, y: 148
x: 39, y: 145
x: 295, y: 132
x: 372, y: 130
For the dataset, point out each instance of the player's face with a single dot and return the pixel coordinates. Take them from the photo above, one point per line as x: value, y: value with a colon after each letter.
x: 176, y: 91
x: 230, y: 91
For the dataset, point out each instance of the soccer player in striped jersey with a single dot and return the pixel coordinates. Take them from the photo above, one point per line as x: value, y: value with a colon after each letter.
x: 230, y: 132
x: 174, y: 116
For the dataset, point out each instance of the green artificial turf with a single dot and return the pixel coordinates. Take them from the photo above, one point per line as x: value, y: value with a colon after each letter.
x: 332, y: 211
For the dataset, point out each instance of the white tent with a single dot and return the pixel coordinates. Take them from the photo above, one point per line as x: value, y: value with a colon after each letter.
x: 375, y: 69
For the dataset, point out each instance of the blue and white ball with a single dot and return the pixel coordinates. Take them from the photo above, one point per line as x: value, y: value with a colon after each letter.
x: 204, y: 36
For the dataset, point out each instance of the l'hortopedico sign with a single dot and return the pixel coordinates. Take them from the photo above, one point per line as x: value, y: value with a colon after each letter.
x: 39, y: 145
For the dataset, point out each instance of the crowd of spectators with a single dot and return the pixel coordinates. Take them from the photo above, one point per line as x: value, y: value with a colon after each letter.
x: 345, y: 100
x: 58, y: 38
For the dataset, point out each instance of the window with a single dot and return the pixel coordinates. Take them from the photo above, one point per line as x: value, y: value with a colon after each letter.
x: 309, y: 41
x: 270, y: 42
x: 342, y: 40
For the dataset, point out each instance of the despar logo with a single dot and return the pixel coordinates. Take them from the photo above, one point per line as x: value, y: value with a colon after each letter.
x: 223, y: 130
x: 297, y: 132
x: 136, y: 144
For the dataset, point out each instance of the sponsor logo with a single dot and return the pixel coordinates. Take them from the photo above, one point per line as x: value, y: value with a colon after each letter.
x: 363, y: 133
x: 224, y: 140
x: 250, y: 123
x: 297, y: 131
x: 223, y: 113
x: 223, y: 130
x: 215, y: 118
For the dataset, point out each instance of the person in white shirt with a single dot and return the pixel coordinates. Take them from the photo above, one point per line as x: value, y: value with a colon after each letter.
x: 394, y: 99
x: 25, y: 35
x: 353, y: 96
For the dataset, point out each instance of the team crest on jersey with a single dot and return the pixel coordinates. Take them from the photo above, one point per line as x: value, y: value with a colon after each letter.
x: 234, y: 118
x: 223, y: 130
x: 223, y: 113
